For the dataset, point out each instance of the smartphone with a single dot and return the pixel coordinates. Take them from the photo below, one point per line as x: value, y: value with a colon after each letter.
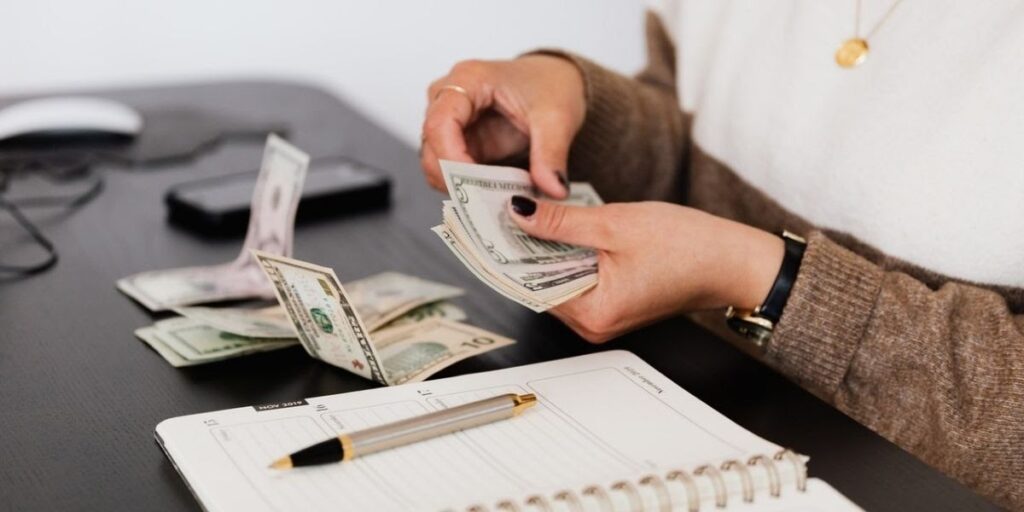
x: 219, y: 206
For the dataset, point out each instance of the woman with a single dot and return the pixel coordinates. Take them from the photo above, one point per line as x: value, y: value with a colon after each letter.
x: 896, y: 156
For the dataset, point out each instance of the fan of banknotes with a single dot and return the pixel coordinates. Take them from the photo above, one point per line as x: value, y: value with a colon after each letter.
x: 389, y: 327
x: 539, y: 274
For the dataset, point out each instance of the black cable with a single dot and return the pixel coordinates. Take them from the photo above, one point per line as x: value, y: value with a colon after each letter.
x: 69, y: 201
x: 59, y: 167
x: 53, y: 170
x: 33, y: 231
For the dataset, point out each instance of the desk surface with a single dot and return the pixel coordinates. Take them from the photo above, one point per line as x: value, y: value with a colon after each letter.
x: 80, y: 395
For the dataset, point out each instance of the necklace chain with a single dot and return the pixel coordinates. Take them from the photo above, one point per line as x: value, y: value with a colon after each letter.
x: 854, y: 51
x: 885, y: 17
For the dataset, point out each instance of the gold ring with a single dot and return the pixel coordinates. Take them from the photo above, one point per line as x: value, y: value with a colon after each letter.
x: 456, y: 88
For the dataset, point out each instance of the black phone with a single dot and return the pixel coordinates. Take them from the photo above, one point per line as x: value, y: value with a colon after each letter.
x: 219, y: 206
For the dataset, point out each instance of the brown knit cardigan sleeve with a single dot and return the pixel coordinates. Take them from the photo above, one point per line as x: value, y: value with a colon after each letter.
x: 633, y: 140
x: 938, y: 370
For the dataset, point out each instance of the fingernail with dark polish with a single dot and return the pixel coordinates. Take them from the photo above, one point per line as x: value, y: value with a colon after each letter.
x: 523, y: 205
x: 563, y: 178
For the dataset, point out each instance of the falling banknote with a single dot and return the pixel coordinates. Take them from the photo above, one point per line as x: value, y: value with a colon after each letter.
x: 330, y: 328
x: 477, y: 228
x: 274, y: 202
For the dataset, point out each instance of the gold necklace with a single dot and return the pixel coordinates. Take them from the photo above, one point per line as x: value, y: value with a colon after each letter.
x: 854, y: 51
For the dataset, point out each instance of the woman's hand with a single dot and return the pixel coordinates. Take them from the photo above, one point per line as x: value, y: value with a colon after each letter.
x: 655, y: 260
x: 534, y: 103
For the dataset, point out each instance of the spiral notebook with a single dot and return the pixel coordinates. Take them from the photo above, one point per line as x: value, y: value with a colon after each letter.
x: 609, y: 433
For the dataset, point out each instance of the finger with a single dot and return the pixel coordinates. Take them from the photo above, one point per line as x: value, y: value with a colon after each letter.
x: 551, y: 135
x: 493, y: 138
x: 575, y: 225
x: 447, y: 117
x: 432, y: 168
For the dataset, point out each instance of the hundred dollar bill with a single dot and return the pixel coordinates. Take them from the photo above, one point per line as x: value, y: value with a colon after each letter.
x: 414, y: 352
x: 324, y: 318
x: 271, y: 223
x: 477, y: 228
x: 330, y: 328
x: 185, y: 342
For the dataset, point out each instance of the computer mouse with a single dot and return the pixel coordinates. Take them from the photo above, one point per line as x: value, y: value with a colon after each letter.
x: 68, y: 120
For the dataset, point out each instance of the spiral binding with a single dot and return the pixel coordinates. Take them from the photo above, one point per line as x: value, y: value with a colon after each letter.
x: 659, y: 485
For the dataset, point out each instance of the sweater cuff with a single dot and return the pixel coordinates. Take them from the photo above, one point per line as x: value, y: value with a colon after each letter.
x: 609, y: 105
x: 825, y: 318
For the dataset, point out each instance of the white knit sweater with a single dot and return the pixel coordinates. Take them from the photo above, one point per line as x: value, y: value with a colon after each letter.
x: 918, y: 152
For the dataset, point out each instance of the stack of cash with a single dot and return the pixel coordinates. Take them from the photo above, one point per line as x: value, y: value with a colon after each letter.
x: 539, y: 274
x: 208, y: 334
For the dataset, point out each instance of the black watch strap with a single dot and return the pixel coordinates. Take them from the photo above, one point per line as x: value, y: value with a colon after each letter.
x: 772, y: 307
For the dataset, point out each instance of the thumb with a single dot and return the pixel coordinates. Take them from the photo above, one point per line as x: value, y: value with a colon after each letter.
x: 576, y: 225
x: 550, y: 138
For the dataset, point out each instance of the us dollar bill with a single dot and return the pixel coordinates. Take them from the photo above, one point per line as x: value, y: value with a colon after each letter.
x: 384, y: 297
x: 481, y: 193
x: 381, y: 300
x: 271, y: 224
x: 411, y: 353
x: 186, y: 342
x: 478, y: 229
x: 548, y: 284
x: 324, y: 318
x: 268, y: 322
x: 329, y: 327
x: 439, y: 310
x: 273, y: 322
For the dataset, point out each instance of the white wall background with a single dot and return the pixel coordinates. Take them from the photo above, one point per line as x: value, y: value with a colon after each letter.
x: 378, y: 54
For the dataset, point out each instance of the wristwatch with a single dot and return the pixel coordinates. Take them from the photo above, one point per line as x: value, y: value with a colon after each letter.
x: 757, y: 325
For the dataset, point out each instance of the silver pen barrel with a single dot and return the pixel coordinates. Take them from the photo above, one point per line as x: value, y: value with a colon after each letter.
x: 411, y: 430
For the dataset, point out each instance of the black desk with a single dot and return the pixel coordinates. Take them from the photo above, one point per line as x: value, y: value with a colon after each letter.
x: 79, y: 395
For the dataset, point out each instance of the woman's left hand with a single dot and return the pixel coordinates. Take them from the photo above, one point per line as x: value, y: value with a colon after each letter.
x: 655, y: 260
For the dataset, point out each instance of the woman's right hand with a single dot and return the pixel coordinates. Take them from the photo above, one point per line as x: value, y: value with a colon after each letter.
x: 535, y: 103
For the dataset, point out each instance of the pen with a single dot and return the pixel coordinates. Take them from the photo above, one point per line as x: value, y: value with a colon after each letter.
x: 410, y: 430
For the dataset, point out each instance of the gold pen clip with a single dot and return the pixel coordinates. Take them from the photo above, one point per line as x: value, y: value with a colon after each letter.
x: 523, y: 402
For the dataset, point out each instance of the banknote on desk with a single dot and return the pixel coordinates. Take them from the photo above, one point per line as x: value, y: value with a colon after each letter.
x: 330, y: 328
x: 182, y: 341
x: 204, y: 335
x: 271, y: 225
x: 478, y: 229
x: 208, y: 334
x: 273, y: 322
x: 382, y: 298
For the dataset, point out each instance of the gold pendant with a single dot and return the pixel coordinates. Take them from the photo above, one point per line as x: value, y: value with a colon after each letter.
x: 852, y: 53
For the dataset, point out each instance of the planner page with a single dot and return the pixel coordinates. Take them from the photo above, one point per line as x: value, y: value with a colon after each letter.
x: 599, y: 417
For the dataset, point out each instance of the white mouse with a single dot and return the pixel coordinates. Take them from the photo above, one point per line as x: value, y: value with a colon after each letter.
x: 68, y: 117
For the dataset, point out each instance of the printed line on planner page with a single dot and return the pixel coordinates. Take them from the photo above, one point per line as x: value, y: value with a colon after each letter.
x: 661, y: 451
x: 566, y: 440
